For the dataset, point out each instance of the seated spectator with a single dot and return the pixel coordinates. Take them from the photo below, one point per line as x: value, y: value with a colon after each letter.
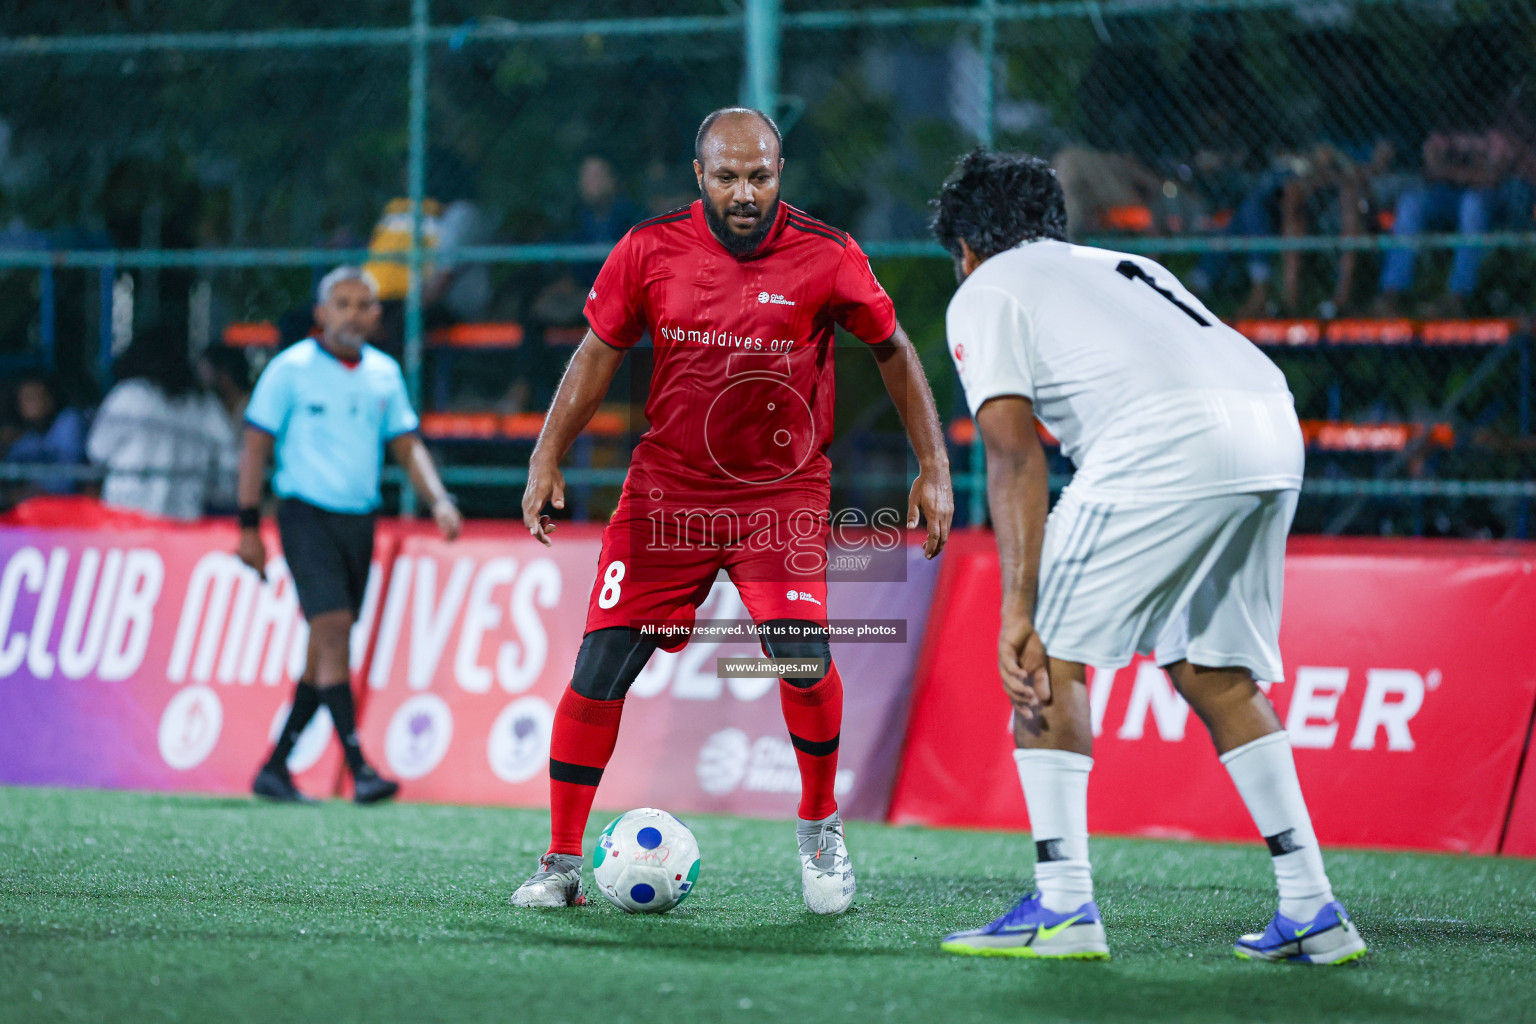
x: 1096, y: 184
x: 1471, y: 185
x: 602, y: 217
x: 1120, y: 135
x: 46, y: 432
x: 1287, y: 196
x: 450, y: 292
x: 226, y: 371
x: 165, y: 441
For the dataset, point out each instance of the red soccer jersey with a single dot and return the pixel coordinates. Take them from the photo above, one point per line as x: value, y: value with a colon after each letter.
x: 742, y: 387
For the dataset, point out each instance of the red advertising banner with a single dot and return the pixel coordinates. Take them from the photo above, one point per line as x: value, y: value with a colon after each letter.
x: 143, y: 655
x: 1410, y: 680
x: 476, y: 642
x: 1520, y: 833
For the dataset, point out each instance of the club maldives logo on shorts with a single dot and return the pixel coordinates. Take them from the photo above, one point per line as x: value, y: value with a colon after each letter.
x: 770, y: 299
x: 518, y: 748
x: 190, y: 726
x: 418, y: 735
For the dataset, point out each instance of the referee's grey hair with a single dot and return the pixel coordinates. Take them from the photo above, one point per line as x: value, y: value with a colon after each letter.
x: 345, y: 272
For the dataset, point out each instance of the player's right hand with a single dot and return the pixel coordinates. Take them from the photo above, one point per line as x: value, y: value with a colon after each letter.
x: 253, y: 551
x: 545, y: 484
x: 1022, y: 662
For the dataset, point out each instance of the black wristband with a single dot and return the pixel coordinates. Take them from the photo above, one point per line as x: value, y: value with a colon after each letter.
x: 249, y: 518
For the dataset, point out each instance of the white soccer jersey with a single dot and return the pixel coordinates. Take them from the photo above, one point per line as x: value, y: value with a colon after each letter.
x: 1151, y: 396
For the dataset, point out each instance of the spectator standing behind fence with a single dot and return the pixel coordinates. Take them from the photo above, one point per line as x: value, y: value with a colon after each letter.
x: 164, y: 440
x: 326, y: 407
x: 44, y: 432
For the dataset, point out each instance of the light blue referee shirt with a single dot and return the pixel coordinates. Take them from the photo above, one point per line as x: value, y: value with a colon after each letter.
x: 330, y: 421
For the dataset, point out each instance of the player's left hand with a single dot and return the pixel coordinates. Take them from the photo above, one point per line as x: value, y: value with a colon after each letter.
x: 450, y: 522
x: 932, y: 497
x: 1022, y: 662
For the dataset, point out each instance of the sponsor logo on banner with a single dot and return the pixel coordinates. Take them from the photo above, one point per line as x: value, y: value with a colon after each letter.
x: 490, y: 625
x: 729, y: 759
x: 518, y: 748
x: 418, y: 736
x: 159, y: 660
x: 723, y: 761
x: 1381, y: 692
x: 190, y: 727
x: 1392, y: 698
x: 107, y: 617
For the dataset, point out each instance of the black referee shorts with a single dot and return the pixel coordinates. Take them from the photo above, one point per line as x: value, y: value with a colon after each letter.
x: 328, y: 555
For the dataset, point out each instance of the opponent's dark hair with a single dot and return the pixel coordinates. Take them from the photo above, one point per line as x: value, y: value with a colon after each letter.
x: 715, y: 115
x: 159, y: 355
x: 995, y: 201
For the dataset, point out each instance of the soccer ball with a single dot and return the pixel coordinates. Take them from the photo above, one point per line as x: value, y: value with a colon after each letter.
x: 646, y: 861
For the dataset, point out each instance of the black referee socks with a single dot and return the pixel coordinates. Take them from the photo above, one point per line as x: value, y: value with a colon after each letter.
x: 338, y: 699
x: 306, y: 701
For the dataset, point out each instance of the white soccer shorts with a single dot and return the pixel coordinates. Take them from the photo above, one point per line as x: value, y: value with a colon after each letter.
x: 1199, y: 579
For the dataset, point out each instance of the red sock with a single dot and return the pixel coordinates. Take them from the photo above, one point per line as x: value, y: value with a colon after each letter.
x: 815, y: 719
x: 579, y: 748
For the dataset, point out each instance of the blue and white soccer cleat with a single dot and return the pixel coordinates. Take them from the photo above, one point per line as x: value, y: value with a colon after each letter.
x: 1030, y: 930
x: 1329, y: 938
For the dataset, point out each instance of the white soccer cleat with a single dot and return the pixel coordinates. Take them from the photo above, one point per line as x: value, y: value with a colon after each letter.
x: 557, y: 883
x: 826, y: 873
x: 1329, y: 938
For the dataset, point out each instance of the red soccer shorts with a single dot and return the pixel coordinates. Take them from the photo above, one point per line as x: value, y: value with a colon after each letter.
x: 658, y: 563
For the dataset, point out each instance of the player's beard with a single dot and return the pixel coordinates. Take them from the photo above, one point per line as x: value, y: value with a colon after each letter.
x: 740, y: 245
x: 349, y: 342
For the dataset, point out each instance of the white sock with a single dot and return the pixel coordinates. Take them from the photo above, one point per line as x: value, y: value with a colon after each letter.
x: 1265, y: 775
x: 1056, y: 790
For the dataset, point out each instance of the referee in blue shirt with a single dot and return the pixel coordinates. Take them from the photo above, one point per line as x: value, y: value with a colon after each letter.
x: 327, y: 406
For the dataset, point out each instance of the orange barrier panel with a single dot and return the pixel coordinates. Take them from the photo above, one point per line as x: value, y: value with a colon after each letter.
x: 251, y: 335
x: 1334, y: 436
x: 486, y: 335
x: 1281, y: 332
x: 519, y: 426
x: 1466, y: 332
x: 478, y: 426
x: 1133, y: 219
x: 1369, y: 332
x: 962, y: 431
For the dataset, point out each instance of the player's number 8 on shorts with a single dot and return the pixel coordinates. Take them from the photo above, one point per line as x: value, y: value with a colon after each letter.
x: 612, y: 577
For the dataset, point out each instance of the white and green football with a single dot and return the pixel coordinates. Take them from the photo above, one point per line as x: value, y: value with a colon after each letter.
x: 646, y: 861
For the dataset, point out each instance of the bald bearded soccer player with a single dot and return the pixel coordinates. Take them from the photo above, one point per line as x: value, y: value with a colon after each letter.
x: 741, y: 294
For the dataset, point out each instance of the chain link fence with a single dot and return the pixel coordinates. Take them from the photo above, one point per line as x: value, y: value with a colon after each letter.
x: 1351, y: 182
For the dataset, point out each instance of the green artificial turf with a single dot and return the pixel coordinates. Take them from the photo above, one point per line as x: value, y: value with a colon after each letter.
x: 129, y: 907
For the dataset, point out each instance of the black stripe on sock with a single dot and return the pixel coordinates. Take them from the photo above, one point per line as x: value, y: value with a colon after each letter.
x: 816, y: 748
x: 1047, y: 850
x: 1282, y: 843
x: 576, y: 774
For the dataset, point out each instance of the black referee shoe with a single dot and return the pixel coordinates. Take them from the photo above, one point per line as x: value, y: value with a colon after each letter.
x: 369, y: 787
x: 276, y: 784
